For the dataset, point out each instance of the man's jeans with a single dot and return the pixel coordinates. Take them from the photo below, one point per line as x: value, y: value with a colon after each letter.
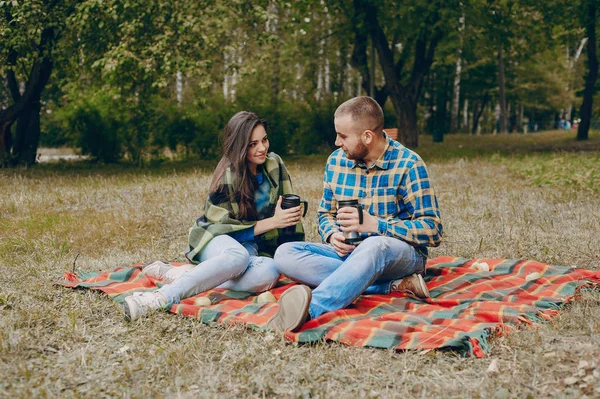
x: 227, y: 264
x: 369, y: 269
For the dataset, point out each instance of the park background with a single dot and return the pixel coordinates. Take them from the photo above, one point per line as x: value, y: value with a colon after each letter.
x: 497, y: 96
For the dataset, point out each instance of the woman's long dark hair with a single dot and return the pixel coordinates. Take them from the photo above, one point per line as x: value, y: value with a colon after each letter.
x: 235, y: 140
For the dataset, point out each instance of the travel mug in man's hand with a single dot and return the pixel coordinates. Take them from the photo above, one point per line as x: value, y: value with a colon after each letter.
x: 290, y: 201
x: 352, y: 237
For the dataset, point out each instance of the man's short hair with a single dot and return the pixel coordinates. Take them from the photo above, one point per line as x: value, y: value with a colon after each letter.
x: 363, y: 110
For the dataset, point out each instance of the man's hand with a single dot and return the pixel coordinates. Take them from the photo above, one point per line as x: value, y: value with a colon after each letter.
x: 348, y: 220
x: 337, y: 240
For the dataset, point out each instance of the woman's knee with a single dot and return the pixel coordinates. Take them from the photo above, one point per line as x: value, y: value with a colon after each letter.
x: 261, y: 275
x: 232, y: 253
x: 285, y: 255
x: 237, y: 256
x: 265, y: 273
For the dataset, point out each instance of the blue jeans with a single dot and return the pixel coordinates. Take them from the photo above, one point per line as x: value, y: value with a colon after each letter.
x: 369, y: 269
x: 227, y: 264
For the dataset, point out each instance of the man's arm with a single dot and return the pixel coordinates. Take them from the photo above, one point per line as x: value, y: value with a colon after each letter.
x: 424, y: 228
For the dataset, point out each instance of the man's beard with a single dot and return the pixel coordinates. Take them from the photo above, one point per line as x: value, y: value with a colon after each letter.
x: 359, y: 153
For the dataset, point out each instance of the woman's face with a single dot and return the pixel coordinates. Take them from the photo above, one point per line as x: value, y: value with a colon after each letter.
x: 258, y: 146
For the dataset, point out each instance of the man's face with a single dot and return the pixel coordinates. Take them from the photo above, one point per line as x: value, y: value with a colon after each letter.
x: 349, y: 138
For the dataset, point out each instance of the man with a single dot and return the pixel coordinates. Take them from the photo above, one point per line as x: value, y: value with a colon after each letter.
x: 400, y: 220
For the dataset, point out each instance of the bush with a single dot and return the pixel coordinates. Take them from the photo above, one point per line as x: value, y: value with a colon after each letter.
x: 193, y: 129
x: 95, y: 135
x: 107, y: 126
x: 54, y: 127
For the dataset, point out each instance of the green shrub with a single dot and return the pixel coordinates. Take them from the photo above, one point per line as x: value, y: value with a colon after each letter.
x: 55, y: 129
x: 96, y: 135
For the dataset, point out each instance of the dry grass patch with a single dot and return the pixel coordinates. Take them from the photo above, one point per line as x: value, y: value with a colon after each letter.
x: 71, y: 343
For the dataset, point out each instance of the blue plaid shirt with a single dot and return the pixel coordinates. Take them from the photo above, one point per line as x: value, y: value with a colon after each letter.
x: 396, y: 189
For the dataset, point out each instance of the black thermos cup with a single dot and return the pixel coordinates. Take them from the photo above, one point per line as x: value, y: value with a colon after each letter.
x: 290, y: 201
x: 352, y: 237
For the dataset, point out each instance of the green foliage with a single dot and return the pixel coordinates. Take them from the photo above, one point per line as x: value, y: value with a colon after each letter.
x: 96, y: 135
x: 116, y: 62
x: 190, y: 130
x: 55, y: 128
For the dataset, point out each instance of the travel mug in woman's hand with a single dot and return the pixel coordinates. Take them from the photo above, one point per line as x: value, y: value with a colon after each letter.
x: 290, y: 201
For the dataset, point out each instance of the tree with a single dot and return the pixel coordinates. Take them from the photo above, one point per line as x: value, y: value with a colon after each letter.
x: 589, y: 19
x: 30, y: 31
x: 405, y: 36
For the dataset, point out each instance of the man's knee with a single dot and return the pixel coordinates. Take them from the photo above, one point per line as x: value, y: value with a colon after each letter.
x: 374, y: 245
x: 286, y: 255
x: 382, y: 244
x: 378, y: 252
x: 285, y: 251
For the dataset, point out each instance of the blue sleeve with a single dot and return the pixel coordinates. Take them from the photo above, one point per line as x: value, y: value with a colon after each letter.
x: 243, y: 235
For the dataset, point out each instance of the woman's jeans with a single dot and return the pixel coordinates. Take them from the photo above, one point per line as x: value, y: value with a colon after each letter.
x: 369, y: 269
x: 227, y: 264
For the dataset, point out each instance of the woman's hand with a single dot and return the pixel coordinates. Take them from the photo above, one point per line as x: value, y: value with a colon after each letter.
x: 281, y: 219
x: 286, y: 217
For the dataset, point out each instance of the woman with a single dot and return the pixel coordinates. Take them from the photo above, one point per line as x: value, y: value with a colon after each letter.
x: 242, y: 219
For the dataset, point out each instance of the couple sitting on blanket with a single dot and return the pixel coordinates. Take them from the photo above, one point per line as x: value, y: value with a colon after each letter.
x: 244, y: 218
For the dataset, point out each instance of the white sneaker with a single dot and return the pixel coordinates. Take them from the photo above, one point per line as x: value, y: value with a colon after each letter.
x: 166, y: 272
x: 138, y: 304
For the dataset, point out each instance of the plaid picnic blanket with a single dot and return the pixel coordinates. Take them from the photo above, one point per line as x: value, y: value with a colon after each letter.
x: 466, y: 307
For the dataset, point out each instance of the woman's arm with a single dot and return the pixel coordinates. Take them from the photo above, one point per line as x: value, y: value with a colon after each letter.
x: 281, y: 219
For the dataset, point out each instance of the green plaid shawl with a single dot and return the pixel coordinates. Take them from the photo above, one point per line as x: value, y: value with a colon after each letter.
x: 221, y: 208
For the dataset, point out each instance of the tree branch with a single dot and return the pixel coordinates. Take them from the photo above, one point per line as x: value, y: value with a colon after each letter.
x: 13, y: 85
x: 386, y: 56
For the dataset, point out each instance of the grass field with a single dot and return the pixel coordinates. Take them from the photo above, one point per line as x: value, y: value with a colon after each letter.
x: 510, y: 196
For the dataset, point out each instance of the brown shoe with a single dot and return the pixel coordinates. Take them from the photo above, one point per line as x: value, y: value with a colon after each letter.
x: 414, y: 285
x: 293, y: 309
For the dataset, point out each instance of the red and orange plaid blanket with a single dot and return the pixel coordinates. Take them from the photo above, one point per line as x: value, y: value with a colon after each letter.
x: 466, y: 307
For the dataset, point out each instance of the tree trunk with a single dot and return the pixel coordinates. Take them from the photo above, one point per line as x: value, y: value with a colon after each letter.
x: 342, y: 56
x: 360, y: 60
x: 501, y: 91
x: 590, y: 81
x: 7, y: 118
x: 571, y: 63
x: 273, y: 28
x: 26, y: 141
x: 404, y: 96
x: 431, y: 98
x: 406, y: 111
x: 455, y: 97
x: 465, y: 126
x: 441, y: 111
x: 520, y: 118
x: 457, y: 76
x: 478, y: 112
x: 27, y: 136
x: 532, y: 123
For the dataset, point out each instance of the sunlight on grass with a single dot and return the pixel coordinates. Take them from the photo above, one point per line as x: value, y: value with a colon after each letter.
x: 580, y: 171
x: 473, y: 146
